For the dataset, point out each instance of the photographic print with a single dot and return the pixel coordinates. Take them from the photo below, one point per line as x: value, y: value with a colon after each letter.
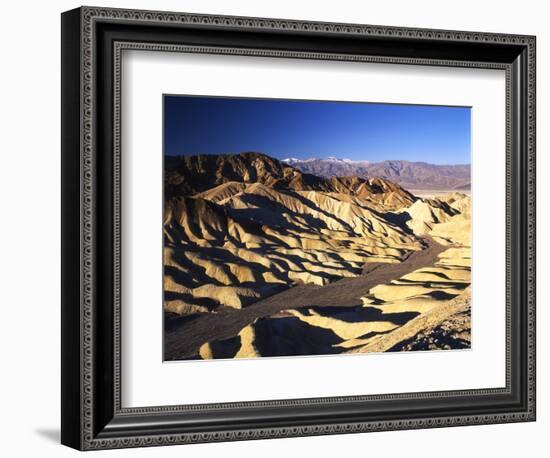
x: 243, y: 197
x: 309, y: 227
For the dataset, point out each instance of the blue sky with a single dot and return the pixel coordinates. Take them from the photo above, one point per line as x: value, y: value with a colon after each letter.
x: 305, y: 129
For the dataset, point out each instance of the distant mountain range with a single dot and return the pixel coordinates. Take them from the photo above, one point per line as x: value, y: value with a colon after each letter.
x: 410, y: 175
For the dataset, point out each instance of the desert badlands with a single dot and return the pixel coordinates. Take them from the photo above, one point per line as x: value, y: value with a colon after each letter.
x: 263, y: 259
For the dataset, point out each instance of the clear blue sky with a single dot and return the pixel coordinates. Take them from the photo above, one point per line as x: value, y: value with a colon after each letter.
x: 304, y: 129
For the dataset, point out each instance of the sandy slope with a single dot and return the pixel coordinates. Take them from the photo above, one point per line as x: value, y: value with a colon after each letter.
x: 391, y: 317
x: 237, y: 242
x: 188, y: 333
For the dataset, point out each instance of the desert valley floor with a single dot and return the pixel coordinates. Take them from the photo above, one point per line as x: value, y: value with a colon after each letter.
x: 263, y: 259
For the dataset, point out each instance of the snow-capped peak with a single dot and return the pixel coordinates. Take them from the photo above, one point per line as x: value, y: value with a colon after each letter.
x: 336, y: 159
x: 294, y: 160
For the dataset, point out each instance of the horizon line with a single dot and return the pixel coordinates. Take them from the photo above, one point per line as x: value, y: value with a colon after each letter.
x: 313, y: 158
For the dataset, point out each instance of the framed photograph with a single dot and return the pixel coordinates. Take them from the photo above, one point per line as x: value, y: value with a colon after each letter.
x: 276, y: 228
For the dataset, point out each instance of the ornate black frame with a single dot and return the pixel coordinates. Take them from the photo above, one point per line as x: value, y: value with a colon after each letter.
x: 92, y: 42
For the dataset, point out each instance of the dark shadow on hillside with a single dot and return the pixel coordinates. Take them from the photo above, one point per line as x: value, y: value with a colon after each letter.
x: 359, y: 314
x: 400, y: 220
